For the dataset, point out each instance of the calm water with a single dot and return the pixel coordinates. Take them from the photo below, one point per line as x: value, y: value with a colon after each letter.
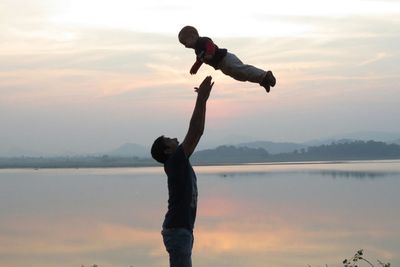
x: 253, y: 215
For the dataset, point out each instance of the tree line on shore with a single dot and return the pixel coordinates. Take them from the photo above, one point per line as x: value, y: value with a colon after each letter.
x: 355, y: 150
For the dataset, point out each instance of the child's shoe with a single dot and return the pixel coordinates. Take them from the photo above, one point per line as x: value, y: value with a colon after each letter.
x: 268, y: 81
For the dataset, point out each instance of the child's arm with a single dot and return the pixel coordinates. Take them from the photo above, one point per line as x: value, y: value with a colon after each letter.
x: 196, y: 66
x: 205, y: 55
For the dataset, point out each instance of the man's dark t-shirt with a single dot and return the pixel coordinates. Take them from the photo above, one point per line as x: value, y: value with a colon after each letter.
x: 182, y: 191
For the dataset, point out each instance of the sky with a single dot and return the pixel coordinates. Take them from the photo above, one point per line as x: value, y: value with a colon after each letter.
x: 87, y: 76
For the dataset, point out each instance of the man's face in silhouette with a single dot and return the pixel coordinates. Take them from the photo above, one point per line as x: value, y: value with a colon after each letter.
x: 171, y: 144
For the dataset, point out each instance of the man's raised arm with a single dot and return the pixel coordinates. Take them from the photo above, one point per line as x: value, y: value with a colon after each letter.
x: 196, y: 126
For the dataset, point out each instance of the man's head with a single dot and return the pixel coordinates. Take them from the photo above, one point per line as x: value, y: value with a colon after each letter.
x: 188, y: 36
x: 163, y: 147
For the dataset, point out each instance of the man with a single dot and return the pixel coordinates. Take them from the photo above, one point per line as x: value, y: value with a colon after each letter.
x: 182, y: 185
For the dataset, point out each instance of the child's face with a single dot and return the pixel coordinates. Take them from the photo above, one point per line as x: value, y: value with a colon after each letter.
x: 190, y: 41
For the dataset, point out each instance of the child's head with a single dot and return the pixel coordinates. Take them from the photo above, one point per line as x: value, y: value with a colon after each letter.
x: 188, y: 36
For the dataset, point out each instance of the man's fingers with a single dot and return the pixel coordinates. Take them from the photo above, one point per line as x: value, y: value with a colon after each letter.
x: 204, y: 84
x: 206, y: 81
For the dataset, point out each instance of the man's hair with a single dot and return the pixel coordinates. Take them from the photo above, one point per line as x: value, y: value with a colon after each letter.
x: 158, y: 150
x: 187, y: 31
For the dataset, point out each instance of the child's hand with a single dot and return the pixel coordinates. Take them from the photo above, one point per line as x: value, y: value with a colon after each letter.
x: 195, y: 67
x: 193, y: 70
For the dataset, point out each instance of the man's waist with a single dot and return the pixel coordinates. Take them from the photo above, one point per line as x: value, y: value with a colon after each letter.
x: 172, y: 225
x: 174, y: 229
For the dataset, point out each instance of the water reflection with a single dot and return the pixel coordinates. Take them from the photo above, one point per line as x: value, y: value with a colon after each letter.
x: 355, y: 174
x: 255, y: 216
x: 244, y: 174
x: 330, y: 173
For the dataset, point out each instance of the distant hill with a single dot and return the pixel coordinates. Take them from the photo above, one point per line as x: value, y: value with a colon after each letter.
x: 358, y: 150
x: 274, y: 147
x: 355, y: 136
x: 397, y: 141
x: 18, y: 152
x: 352, y: 150
x: 370, y: 135
x: 129, y: 150
x: 229, y: 154
x: 227, y: 140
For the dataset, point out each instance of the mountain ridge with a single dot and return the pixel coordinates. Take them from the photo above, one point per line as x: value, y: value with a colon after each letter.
x: 140, y: 150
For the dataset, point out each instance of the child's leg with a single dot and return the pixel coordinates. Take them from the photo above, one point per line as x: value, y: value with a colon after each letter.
x: 232, y: 66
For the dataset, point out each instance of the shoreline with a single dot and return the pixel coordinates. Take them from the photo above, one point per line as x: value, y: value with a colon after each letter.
x: 155, y: 164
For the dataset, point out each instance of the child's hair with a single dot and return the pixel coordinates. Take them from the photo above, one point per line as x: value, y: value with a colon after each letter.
x: 187, y: 31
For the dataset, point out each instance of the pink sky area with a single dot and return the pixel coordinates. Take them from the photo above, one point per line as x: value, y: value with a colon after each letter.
x: 86, y: 77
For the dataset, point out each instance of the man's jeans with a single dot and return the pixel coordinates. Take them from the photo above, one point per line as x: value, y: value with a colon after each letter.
x: 179, y: 244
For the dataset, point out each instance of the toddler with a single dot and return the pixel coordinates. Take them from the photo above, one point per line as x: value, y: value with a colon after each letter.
x: 219, y: 58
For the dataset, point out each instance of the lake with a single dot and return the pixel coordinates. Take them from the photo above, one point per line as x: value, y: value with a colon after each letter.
x: 248, y: 215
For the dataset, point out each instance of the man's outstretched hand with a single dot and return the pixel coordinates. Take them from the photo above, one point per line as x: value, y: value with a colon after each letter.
x: 204, y: 89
